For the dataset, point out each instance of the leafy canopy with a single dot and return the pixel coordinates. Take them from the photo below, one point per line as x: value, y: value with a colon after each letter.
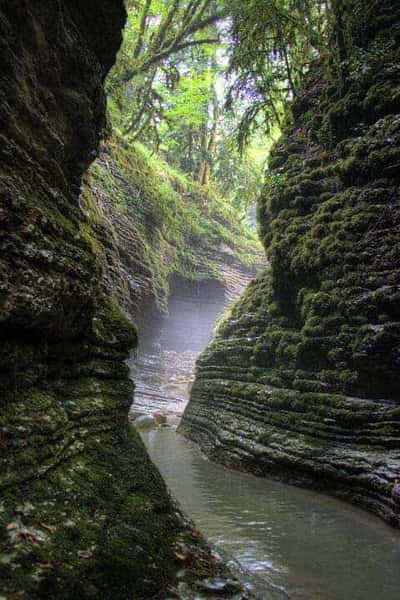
x: 195, y: 75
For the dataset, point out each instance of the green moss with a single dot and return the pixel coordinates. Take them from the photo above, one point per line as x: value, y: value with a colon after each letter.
x: 295, y: 377
x: 178, y: 226
x: 112, y: 328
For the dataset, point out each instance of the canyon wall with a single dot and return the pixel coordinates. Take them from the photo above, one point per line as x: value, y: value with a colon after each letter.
x: 301, y: 381
x: 83, y: 512
x: 174, y: 257
x: 157, y: 230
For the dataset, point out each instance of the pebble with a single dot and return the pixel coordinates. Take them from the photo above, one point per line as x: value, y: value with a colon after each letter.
x: 145, y: 422
x: 219, y: 585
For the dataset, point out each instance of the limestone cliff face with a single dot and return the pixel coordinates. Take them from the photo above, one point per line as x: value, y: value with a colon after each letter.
x: 157, y: 230
x: 173, y: 256
x: 52, y: 115
x: 83, y: 513
x: 301, y: 381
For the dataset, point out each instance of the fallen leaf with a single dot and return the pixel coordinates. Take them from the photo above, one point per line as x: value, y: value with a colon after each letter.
x: 180, y: 556
x: 85, y: 554
x: 49, y: 528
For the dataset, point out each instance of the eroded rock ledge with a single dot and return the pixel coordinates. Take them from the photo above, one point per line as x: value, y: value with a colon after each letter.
x: 83, y: 512
x: 301, y: 381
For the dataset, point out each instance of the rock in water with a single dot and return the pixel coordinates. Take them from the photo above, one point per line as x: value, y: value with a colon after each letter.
x: 160, y: 418
x: 145, y: 422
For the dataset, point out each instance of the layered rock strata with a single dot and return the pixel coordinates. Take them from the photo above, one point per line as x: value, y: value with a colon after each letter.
x: 83, y: 512
x: 161, y: 234
x: 301, y: 381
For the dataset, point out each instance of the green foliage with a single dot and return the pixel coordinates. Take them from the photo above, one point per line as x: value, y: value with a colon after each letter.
x: 239, y: 177
x: 365, y: 61
x: 272, y: 43
x: 156, y: 34
x: 166, y: 90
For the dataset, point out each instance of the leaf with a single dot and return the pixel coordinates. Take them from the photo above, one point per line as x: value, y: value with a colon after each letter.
x: 85, y: 554
x: 181, y: 557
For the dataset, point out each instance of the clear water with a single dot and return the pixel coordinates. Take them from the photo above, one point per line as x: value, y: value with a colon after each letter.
x: 294, y: 543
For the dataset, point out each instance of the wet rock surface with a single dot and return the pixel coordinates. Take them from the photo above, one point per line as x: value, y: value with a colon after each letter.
x: 300, y: 382
x: 82, y: 508
x: 83, y: 512
x: 144, y: 422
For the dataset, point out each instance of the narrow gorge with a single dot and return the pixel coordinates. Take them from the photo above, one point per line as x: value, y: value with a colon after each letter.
x: 135, y: 296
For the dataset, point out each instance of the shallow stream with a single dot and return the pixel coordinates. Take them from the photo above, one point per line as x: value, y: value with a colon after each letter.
x: 293, y: 543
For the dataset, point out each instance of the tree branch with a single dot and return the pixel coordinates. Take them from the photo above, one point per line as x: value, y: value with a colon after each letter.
x: 142, y: 28
x: 153, y: 60
x: 198, y: 25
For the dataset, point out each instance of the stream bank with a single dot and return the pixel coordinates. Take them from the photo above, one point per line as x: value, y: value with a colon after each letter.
x: 290, y: 543
x: 282, y: 541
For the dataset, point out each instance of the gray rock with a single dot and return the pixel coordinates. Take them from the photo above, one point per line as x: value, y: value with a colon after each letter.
x: 160, y: 418
x: 396, y: 493
x: 219, y: 586
x: 145, y: 422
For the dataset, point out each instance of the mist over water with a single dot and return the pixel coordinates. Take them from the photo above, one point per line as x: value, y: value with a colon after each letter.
x: 292, y: 543
x: 164, y: 369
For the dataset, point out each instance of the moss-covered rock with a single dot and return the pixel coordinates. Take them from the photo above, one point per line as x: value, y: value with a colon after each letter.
x: 83, y: 512
x: 315, y: 341
x: 152, y: 224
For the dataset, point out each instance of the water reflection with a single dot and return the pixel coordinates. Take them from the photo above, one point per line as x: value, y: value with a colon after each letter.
x: 312, y: 546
